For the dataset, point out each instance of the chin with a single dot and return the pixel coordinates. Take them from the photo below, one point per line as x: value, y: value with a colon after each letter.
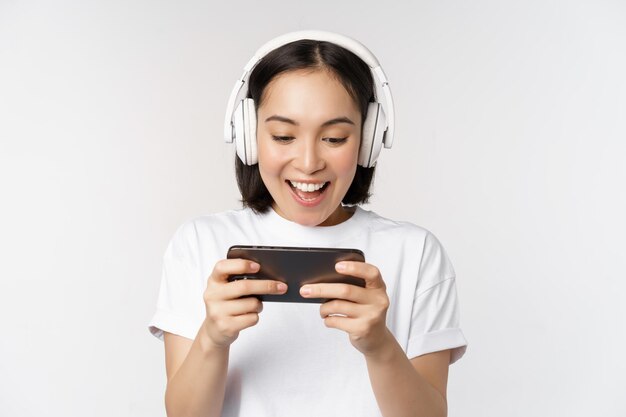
x: 308, y: 219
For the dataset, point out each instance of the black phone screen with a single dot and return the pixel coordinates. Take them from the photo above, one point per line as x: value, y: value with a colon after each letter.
x: 297, y: 266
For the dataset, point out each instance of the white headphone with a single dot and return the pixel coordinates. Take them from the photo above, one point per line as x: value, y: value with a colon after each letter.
x: 378, y: 127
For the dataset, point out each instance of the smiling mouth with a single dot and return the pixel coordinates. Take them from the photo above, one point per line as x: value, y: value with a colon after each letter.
x: 308, y: 192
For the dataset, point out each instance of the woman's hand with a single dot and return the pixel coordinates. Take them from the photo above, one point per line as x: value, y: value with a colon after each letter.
x: 226, y: 313
x: 360, y: 312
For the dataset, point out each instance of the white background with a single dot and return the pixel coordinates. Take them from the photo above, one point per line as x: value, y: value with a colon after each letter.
x: 511, y: 122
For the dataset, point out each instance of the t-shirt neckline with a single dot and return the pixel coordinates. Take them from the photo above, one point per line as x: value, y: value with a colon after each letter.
x: 312, y: 235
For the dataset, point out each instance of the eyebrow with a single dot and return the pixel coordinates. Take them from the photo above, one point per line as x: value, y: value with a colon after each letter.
x: 334, y: 121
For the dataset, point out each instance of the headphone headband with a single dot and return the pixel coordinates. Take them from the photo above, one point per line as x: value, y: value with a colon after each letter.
x: 240, y: 90
x: 350, y: 44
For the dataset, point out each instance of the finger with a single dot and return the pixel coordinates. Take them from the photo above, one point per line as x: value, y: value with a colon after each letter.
x: 341, y: 307
x: 347, y: 324
x: 226, y: 267
x: 336, y: 290
x: 244, y: 321
x: 242, y: 306
x: 368, y: 272
x: 243, y: 287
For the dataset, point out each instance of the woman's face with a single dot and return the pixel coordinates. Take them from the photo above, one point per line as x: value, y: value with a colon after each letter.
x: 308, y: 136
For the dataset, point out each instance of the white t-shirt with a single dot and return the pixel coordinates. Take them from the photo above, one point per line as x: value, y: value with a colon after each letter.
x: 290, y: 364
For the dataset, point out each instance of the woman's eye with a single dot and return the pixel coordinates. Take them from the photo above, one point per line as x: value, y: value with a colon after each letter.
x: 335, y: 141
x: 282, y: 138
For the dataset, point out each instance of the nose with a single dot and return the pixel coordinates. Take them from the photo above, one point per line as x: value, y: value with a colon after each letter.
x: 309, y: 159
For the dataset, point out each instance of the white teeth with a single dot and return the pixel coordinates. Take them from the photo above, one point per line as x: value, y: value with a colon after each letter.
x: 307, y: 187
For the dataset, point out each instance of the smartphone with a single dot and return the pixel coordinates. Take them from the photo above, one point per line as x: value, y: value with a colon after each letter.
x: 296, y: 267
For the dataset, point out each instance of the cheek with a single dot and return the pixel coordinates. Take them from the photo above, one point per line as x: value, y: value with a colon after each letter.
x: 269, y: 175
x: 269, y: 158
x: 345, y: 164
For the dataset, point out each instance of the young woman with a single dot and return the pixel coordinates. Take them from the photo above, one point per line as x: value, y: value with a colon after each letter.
x: 379, y: 350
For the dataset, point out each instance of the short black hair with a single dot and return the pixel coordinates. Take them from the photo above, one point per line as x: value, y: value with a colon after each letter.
x: 356, y: 77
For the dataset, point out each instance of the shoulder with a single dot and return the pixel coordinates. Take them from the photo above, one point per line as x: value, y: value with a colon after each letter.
x: 189, y: 236
x: 413, y: 237
x: 383, y: 225
x: 224, y: 219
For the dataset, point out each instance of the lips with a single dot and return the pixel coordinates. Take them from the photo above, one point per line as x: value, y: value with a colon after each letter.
x: 307, y: 186
x: 307, y: 198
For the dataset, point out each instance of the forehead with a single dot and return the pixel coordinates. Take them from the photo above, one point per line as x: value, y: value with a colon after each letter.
x: 306, y: 94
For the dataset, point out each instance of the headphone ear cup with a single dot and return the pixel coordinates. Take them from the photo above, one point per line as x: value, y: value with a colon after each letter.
x: 368, y: 136
x: 249, y: 117
x: 245, y: 131
x: 379, y: 136
x: 239, y: 132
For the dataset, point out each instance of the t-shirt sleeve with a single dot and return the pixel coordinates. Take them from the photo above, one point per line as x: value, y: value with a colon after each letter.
x: 179, y: 302
x: 435, y: 317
